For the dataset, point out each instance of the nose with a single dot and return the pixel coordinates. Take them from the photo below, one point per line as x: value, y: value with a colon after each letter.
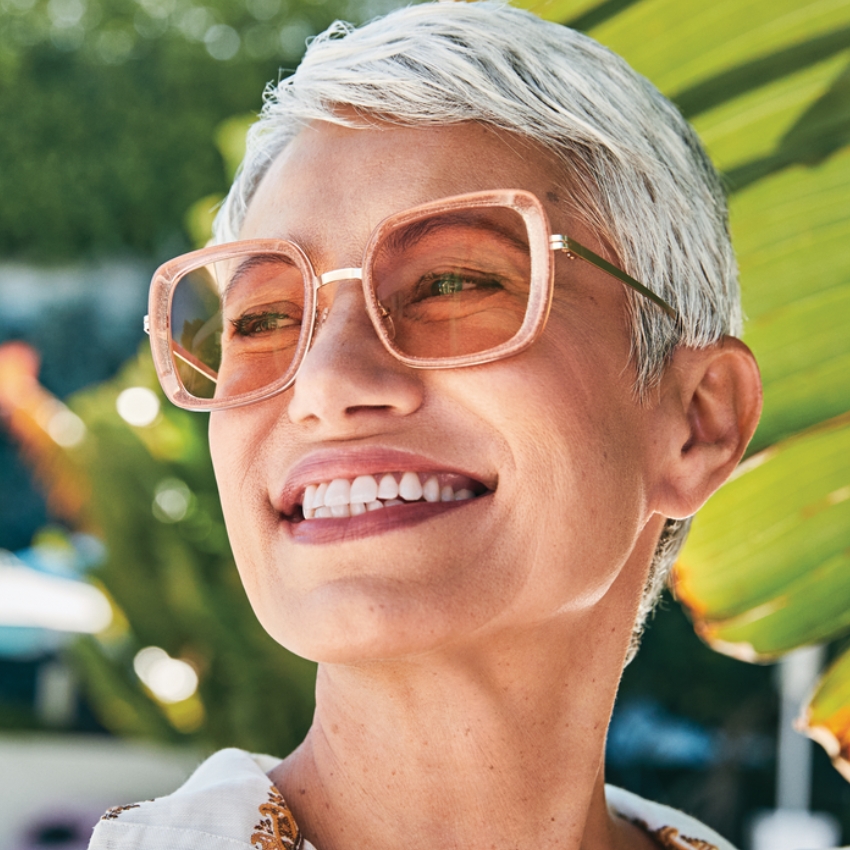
x: 349, y: 383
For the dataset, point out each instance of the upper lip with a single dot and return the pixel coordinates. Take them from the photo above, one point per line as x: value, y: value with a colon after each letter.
x: 327, y: 464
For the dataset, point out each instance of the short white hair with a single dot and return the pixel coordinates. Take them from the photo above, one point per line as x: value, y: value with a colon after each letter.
x: 640, y: 175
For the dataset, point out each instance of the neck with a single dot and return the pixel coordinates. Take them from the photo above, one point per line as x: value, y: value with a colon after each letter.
x: 499, y: 745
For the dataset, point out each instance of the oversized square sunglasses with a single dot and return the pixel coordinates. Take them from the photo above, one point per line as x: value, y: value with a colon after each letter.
x: 457, y: 282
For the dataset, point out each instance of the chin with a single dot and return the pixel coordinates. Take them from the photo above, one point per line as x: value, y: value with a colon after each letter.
x: 357, y: 622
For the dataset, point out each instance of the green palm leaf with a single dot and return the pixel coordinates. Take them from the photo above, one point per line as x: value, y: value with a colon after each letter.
x: 827, y: 718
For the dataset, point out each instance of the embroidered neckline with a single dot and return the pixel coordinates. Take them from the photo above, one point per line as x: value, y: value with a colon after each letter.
x: 670, y: 838
x: 112, y: 814
x: 277, y: 830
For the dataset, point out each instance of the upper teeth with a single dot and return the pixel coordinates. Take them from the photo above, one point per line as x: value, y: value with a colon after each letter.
x: 342, y: 497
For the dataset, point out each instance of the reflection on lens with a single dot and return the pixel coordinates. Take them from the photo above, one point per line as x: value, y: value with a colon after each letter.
x: 236, y: 324
x: 196, y: 332
x: 455, y: 283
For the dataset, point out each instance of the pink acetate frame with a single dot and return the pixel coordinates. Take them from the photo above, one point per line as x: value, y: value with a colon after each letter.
x: 158, y: 320
x: 542, y: 243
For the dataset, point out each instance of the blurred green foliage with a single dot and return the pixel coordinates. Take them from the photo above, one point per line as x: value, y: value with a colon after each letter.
x: 109, y: 108
x: 171, y: 575
x: 98, y: 160
x: 122, y: 123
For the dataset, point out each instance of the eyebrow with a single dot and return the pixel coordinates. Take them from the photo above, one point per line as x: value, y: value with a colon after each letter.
x: 251, y: 262
x: 408, y: 236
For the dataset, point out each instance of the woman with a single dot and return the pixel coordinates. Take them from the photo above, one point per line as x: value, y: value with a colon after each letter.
x: 471, y: 368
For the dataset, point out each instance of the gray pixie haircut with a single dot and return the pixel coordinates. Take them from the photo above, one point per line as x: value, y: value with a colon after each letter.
x: 636, y: 171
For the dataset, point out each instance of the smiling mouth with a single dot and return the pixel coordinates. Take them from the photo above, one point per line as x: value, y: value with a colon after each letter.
x: 343, y: 497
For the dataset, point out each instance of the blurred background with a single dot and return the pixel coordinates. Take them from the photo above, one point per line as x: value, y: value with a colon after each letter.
x: 127, y: 648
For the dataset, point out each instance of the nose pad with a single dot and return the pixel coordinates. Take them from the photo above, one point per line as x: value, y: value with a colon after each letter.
x: 321, y: 318
x: 336, y: 276
x: 387, y: 320
x: 336, y: 308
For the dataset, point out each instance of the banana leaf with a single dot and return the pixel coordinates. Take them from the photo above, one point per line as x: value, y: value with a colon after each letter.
x: 827, y: 717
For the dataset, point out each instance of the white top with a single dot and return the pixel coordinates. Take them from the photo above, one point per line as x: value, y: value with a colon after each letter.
x: 229, y: 803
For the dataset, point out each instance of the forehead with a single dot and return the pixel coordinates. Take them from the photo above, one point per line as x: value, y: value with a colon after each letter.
x: 339, y: 182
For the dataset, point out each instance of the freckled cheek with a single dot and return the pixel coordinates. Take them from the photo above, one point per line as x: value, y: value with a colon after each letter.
x: 569, y: 440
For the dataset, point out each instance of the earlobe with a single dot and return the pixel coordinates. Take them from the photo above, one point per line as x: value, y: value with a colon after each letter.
x: 711, y: 404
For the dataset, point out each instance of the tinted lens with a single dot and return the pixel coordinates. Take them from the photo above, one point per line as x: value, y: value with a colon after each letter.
x: 236, y: 324
x: 454, y: 284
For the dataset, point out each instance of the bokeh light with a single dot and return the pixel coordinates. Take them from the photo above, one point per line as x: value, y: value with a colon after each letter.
x: 66, y: 428
x: 169, y: 679
x: 138, y: 406
x: 172, y: 500
x: 30, y: 598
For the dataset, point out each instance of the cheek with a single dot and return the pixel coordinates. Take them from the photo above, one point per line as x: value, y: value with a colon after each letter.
x: 240, y: 454
x: 227, y: 449
x: 573, y: 484
x: 235, y: 445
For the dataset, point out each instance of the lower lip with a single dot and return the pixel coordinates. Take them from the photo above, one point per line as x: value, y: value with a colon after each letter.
x: 372, y: 522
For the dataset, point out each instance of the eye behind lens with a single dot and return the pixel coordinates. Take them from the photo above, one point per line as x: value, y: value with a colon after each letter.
x: 454, y: 283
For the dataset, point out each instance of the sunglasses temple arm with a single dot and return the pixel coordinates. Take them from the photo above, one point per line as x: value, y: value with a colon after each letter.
x: 573, y: 247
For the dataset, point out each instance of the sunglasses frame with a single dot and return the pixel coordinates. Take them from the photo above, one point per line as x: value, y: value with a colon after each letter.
x: 542, y: 244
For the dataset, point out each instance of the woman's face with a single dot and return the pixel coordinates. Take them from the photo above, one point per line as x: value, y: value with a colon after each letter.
x: 552, y: 438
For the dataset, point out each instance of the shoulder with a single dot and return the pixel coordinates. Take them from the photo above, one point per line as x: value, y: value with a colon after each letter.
x: 671, y: 828
x: 229, y: 803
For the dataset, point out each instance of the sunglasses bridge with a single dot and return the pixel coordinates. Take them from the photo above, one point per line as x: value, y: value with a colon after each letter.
x: 337, y: 275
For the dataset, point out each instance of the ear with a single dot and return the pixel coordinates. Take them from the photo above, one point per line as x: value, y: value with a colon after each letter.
x: 710, y: 401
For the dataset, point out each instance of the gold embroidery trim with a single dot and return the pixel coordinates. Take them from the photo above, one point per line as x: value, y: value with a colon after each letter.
x: 670, y: 838
x: 277, y: 829
x: 112, y: 814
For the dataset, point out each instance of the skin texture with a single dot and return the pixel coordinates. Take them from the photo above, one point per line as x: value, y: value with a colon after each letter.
x: 469, y: 662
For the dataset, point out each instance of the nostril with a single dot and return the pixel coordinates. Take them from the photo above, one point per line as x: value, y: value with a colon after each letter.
x: 370, y: 408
